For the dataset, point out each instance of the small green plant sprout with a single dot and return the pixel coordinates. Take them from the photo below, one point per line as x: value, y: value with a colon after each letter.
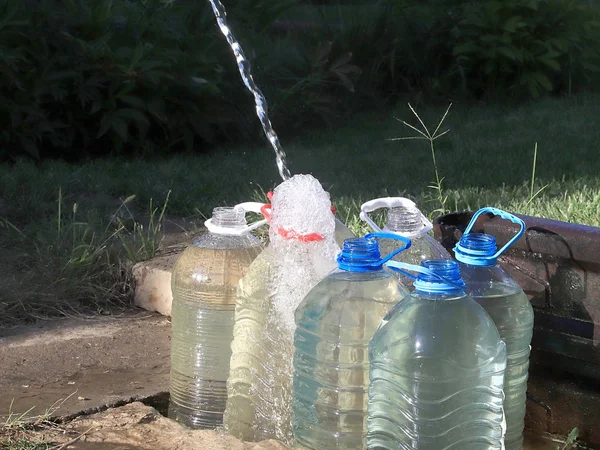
x: 571, y: 440
x: 533, y: 195
x: 425, y: 134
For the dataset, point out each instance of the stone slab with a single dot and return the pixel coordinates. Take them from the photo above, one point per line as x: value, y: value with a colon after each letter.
x: 140, y: 427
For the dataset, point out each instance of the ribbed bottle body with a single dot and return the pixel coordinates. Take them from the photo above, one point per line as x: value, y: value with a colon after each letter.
x: 259, y: 386
x: 204, y: 283
x: 335, y: 323
x: 437, y: 373
x: 511, y: 311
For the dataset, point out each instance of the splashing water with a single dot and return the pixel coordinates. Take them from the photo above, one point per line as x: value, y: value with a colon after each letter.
x: 259, y: 98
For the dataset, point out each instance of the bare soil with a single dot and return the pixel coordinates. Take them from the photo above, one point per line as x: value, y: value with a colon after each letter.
x: 83, y: 364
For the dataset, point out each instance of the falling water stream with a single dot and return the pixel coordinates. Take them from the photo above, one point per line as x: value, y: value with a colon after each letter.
x: 259, y: 98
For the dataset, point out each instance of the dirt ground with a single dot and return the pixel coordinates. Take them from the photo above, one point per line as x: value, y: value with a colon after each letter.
x: 84, y: 364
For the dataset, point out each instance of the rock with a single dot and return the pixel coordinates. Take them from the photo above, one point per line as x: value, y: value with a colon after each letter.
x: 138, y: 426
x: 153, y: 283
x: 153, y: 277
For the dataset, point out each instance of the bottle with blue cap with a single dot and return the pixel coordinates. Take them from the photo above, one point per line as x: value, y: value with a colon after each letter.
x: 204, y: 283
x: 437, y: 369
x: 406, y: 220
x: 508, y: 306
x: 334, y: 324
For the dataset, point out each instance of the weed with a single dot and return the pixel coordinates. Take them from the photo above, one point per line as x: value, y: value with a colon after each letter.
x: 15, y: 431
x: 431, y: 138
x: 533, y: 195
x: 142, y: 243
x: 571, y: 440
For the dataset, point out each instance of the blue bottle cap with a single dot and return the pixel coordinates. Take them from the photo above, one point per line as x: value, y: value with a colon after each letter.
x: 362, y: 254
x: 476, y: 249
x: 441, y: 276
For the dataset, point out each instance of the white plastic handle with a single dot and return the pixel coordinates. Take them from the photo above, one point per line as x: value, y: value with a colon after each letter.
x: 254, y: 207
x: 392, y: 202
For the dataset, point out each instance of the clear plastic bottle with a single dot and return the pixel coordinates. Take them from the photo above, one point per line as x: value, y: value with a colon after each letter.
x: 509, y: 308
x: 204, y: 283
x: 405, y: 219
x: 437, y: 369
x: 301, y: 252
x: 334, y: 325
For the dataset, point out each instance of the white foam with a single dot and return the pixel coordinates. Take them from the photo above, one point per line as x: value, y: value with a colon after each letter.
x: 300, y: 205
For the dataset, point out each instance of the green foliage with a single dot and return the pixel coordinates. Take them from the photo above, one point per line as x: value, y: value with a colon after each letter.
x: 81, y: 77
x: 526, y: 47
x: 443, y: 48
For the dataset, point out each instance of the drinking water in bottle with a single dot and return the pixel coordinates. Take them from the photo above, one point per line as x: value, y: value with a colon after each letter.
x: 405, y: 219
x: 437, y: 369
x: 204, y: 283
x: 334, y: 324
x: 510, y: 309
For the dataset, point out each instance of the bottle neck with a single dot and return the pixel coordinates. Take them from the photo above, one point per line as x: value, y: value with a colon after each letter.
x: 229, y: 217
x: 476, y: 249
x: 360, y: 255
x: 443, y: 279
x: 404, y: 220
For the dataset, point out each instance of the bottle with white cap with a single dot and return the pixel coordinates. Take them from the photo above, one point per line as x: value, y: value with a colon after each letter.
x: 204, y: 283
x: 406, y: 220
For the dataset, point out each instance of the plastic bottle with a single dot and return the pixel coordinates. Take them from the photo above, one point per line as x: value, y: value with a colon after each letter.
x: 204, y: 283
x: 334, y: 325
x: 509, y: 307
x: 301, y: 252
x: 405, y: 219
x: 437, y: 369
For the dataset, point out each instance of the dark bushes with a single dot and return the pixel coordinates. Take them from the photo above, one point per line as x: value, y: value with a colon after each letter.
x: 92, y: 77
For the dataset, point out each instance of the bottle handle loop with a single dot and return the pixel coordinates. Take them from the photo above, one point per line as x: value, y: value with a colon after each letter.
x: 393, y: 202
x: 381, y: 235
x: 254, y: 207
x: 403, y: 268
x: 505, y: 215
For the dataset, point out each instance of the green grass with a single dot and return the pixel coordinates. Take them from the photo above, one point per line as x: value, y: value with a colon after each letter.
x: 484, y: 160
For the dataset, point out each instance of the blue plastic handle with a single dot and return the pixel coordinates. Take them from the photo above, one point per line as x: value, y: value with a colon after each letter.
x: 402, y: 267
x: 396, y: 237
x: 505, y: 215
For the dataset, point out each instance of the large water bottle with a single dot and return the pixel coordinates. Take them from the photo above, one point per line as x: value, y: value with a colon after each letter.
x: 437, y: 369
x: 301, y: 252
x: 509, y: 307
x: 405, y: 219
x: 334, y: 325
x: 204, y: 283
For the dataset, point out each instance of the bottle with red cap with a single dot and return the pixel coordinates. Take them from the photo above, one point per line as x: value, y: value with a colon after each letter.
x: 301, y: 252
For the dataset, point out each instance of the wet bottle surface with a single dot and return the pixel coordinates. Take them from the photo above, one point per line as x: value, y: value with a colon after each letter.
x: 510, y: 309
x: 204, y: 283
x: 300, y: 254
x: 437, y: 371
x: 335, y: 323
